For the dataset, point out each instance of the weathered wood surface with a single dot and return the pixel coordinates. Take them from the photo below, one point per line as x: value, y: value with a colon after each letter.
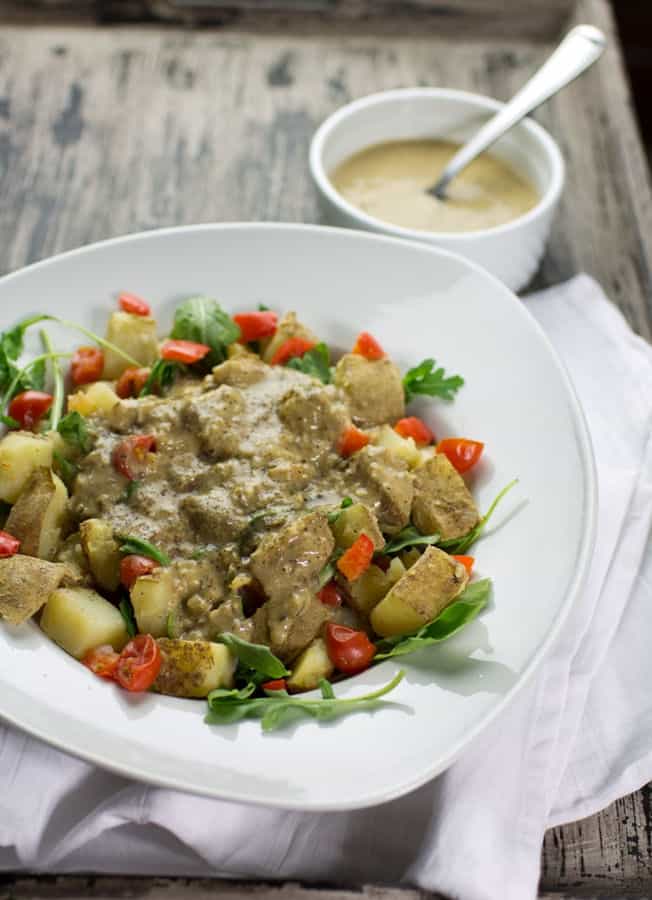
x: 104, y: 131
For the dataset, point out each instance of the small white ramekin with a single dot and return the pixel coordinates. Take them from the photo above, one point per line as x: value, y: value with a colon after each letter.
x: 512, y: 251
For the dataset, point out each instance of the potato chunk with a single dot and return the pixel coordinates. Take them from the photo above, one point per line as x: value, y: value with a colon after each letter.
x: 404, y: 448
x: 98, y: 397
x: 38, y: 515
x: 353, y: 521
x: 25, y: 585
x: 421, y: 594
x: 311, y: 666
x: 369, y: 589
x: 21, y: 452
x: 154, y: 597
x: 193, y: 668
x: 288, y: 327
x: 102, y: 552
x: 373, y: 389
x: 79, y: 619
x: 136, y: 335
x: 442, y: 502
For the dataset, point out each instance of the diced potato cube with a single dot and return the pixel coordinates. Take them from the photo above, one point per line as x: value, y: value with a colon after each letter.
x: 310, y: 667
x: 404, y: 448
x: 410, y: 557
x: 353, y: 521
x: 79, y: 619
x: 102, y: 552
x: 135, y: 335
x: 153, y: 598
x: 370, y: 588
x: 25, y: 585
x: 193, y: 668
x: 21, y: 452
x: 38, y: 515
x: 98, y: 397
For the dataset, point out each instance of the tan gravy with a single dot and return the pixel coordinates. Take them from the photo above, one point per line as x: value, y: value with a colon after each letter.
x: 388, y: 181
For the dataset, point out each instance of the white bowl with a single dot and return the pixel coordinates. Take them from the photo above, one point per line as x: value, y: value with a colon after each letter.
x: 419, y: 302
x: 511, y: 252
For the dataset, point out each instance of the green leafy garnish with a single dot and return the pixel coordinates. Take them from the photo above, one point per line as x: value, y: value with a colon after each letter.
x: 263, y: 308
x: 9, y: 421
x: 170, y: 624
x: 11, y: 347
x: 65, y: 468
x: 32, y: 375
x: 256, y: 657
x: 461, y: 545
x: 127, y: 613
x: 280, y: 709
x: 74, y: 430
x: 203, y: 320
x: 134, y: 545
x: 462, y: 611
x: 336, y: 513
x: 427, y: 379
x: 407, y: 537
x: 130, y: 489
x: 161, y: 377
x: 58, y: 392
x: 315, y: 362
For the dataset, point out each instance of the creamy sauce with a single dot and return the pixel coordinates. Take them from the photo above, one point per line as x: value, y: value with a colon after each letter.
x: 388, y: 181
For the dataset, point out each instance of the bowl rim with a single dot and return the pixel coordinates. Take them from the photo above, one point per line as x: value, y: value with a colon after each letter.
x: 547, y: 202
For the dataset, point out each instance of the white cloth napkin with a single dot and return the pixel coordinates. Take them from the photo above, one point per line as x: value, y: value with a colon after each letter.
x: 577, y: 736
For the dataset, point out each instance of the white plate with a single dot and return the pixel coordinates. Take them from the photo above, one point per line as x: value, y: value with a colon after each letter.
x: 418, y: 302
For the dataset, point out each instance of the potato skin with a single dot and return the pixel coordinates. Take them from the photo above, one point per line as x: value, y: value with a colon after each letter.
x: 21, y: 453
x: 421, y: 594
x: 25, y: 585
x: 369, y: 589
x: 38, y: 515
x: 154, y: 597
x: 79, y: 619
x: 193, y: 668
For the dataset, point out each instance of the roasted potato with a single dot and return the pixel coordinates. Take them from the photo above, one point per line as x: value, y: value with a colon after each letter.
x: 102, y: 552
x: 21, y: 452
x: 79, y: 619
x: 420, y: 595
x: 38, y: 515
x: 369, y: 589
x: 373, y: 389
x: 353, y: 521
x: 193, y: 668
x: 136, y: 335
x: 98, y: 397
x: 25, y: 585
x: 404, y: 448
x: 153, y: 598
x: 310, y: 667
x: 288, y: 327
x: 442, y: 502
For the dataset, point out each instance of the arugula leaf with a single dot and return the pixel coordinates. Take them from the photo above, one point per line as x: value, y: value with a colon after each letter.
x: 74, y: 430
x: 203, y: 320
x: 280, y: 709
x: 315, y: 362
x: 66, y: 469
x: 57, y: 380
x: 127, y: 612
x: 11, y: 347
x: 9, y: 421
x: 135, y: 545
x: 161, y: 377
x: 427, y: 379
x: 407, y: 537
x: 462, y: 611
x: 263, y: 308
x: 461, y: 545
x: 257, y: 657
x: 31, y: 378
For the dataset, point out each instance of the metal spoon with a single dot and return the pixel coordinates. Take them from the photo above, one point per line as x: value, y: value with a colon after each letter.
x: 581, y: 47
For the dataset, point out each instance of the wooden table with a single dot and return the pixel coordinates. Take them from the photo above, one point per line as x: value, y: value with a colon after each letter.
x: 106, y: 130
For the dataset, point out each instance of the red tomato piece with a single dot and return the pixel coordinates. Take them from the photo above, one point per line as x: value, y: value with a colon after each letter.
x: 331, y: 595
x: 29, y: 407
x: 102, y: 661
x: 414, y: 428
x: 278, y: 684
x: 139, y: 663
x: 131, y: 455
x: 461, y: 452
x: 467, y: 562
x: 295, y: 346
x: 366, y: 345
x: 86, y: 365
x: 184, y: 351
x: 357, y: 559
x: 351, y: 441
x: 255, y: 325
x: 131, y: 382
x: 133, y: 566
x: 9, y: 545
x: 130, y: 303
x: 349, y: 650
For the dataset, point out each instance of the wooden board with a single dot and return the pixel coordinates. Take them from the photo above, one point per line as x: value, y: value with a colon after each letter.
x: 104, y: 131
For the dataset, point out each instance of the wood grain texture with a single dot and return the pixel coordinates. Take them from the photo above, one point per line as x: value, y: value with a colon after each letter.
x: 105, y: 131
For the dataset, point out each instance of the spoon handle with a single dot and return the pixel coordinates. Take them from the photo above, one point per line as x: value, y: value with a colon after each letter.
x: 581, y: 47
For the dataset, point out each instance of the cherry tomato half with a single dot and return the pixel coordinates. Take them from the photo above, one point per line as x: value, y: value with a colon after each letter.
x: 131, y: 382
x: 130, y: 303
x: 414, y: 428
x: 131, y: 455
x: 86, y: 365
x: 102, y: 661
x: 349, y: 650
x: 331, y: 595
x: 133, y: 566
x: 139, y: 663
x: 351, y: 441
x: 295, y: 346
x: 366, y: 345
x: 255, y: 325
x: 278, y: 684
x: 467, y: 562
x: 29, y: 407
x: 9, y: 545
x: 184, y: 351
x: 357, y: 559
x: 462, y: 453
